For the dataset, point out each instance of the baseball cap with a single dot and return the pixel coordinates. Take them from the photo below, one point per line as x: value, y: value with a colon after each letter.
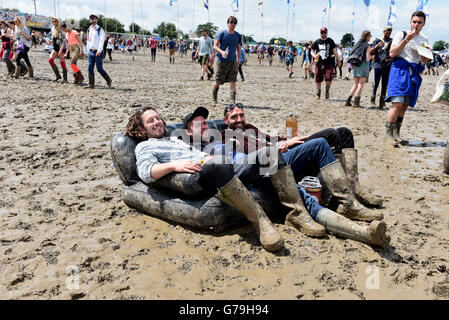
x: 200, y: 111
x: 93, y: 15
x: 388, y: 28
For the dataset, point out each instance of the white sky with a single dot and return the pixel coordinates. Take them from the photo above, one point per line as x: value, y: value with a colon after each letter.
x: 305, y: 26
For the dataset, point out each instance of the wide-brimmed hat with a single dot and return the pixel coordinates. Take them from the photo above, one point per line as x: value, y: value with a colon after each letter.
x: 93, y: 15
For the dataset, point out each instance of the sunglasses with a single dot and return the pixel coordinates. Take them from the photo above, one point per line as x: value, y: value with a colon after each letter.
x: 232, y: 22
x: 323, y: 32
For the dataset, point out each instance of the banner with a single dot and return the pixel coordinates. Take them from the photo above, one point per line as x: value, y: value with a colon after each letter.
x: 206, y: 4
x: 392, y: 16
x: 260, y: 4
x: 422, y: 6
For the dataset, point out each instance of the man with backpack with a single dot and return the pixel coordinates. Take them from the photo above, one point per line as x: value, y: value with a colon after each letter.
x: 95, y: 40
x: 382, y: 65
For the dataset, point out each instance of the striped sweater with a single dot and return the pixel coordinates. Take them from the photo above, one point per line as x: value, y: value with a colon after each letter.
x: 153, y: 151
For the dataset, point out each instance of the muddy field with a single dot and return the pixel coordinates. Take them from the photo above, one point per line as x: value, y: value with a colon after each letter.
x: 66, y: 234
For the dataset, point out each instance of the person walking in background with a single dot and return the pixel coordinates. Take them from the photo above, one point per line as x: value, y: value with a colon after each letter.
x: 95, y: 42
x: 292, y: 52
x: 241, y: 63
x: 306, y: 59
x: 203, y: 52
x: 361, y: 72
x: 23, y: 46
x: 75, y: 50
x: 172, y: 49
x: 228, y: 47
x: 270, y: 53
x: 324, y: 52
x: 340, y: 55
x: 153, y: 47
x: 110, y: 46
x: 382, y: 65
x: 405, y: 75
x: 58, y: 37
x: 7, y: 35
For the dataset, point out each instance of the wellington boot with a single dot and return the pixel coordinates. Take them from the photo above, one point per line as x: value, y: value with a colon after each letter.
x: 236, y: 195
x: 10, y: 67
x: 64, y: 76
x: 232, y: 97
x: 446, y: 160
x: 18, y: 72
x: 336, y: 181
x: 397, y: 131
x: 285, y: 185
x: 57, y: 74
x: 215, y: 94
x: 373, y: 100
x: 356, y: 102
x: 348, y: 102
x: 91, y: 82
x: 349, y: 162
x: 327, y: 92
x: 23, y: 70
x: 80, y: 78
x: 381, y: 102
x: 108, y: 79
x: 336, y: 224
x: 390, y: 140
x: 30, y: 72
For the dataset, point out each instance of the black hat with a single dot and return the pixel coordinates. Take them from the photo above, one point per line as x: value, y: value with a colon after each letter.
x: 200, y: 111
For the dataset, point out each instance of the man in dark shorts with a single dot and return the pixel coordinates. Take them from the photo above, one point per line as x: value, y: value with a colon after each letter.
x: 324, y: 51
x: 270, y: 52
x: 227, y: 45
x: 203, y: 53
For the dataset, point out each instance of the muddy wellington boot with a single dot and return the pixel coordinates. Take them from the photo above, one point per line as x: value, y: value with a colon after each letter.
x: 349, y: 162
x: 91, y: 82
x: 373, y: 100
x: 381, y: 102
x: 389, y: 137
x: 57, y: 74
x: 318, y: 94
x: 356, y: 102
x: 108, y: 79
x: 336, y: 224
x: 11, y: 68
x: 327, y: 92
x: 285, y: 185
x: 397, y: 129
x: 24, y: 70
x: 18, y: 72
x: 236, y: 195
x: 446, y: 160
x: 232, y: 96
x: 30, y: 72
x: 335, y: 179
x: 64, y: 76
x: 348, y: 102
x: 215, y: 94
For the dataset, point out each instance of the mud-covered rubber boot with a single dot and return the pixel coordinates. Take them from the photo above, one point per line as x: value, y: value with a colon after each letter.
x: 375, y: 234
x: 108, y: 79
x: 389, y: 137
x: 446, y: 160
x: 232, y: 96
x: 56, y: 71
x: 215, y: 95
x: 23, y: 70
x: 30, y: 72
x: 285, y: 185
x: 336, y: 181
x: 91, y: 81
x: 373, y: 100
x: 349, y: 162
x: 327, y: 92
x: 10, y: 67
x: 236, y: 195
x: 348, y: 102
x: 356, y: 102
x: 397, y: 129
x: 381, y: 102
x: 318, y: 94
x: 64, y: 76
x: 18, y: 72
x: 80, y: 78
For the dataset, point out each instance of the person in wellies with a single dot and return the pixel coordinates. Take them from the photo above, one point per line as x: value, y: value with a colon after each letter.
x: 95, y: 40
x: 75, y: 50
x: 58, y: 37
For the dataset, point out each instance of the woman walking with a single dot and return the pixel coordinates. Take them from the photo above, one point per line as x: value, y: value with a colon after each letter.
x: 360, y: 72
x: 23, y: 46
x: 58, y: 39
x: 76, y: 51
x: 7, y: 35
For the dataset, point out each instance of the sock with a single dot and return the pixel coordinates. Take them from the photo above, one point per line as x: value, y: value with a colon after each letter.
x: 75, y: 68
x: 63, y: 65
x: 51, y: 62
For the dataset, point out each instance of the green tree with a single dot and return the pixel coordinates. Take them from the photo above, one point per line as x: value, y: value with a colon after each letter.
x: 113, y: 25
x: 347, y: 40
x: 211, y: 29
x: 134, y: 27
x: 440, y: 45
x: 145, y: 32
x: 247, y: 38
x: 166, y: 30
x: 281, y: 41
x: 84, y: 24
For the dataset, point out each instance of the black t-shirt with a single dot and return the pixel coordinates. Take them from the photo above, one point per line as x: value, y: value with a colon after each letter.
x: 325, y: 49
x: 270, y: 51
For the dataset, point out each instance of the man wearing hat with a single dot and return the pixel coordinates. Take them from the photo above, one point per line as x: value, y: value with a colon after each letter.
x: 381, y: 69
x: 95, y: 40
x: 324, y: 51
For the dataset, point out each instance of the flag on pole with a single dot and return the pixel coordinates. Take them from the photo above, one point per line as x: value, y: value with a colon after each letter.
x: 392, y: 16
x: 367, y: 2
x: 171, y: 2
x: 260, y: 4
x: 330, y: 4
x: 294, y: 9
x: 422, y: 6
x: 323, y: 14
x: 206, y: 4
x: 235, y: 5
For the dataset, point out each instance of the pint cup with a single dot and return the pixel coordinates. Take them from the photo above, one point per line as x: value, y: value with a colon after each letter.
x: 312, y: 186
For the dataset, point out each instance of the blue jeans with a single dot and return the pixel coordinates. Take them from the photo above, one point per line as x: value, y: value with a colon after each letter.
x: 92, y: 60
x: 310, y: 203
x: 308, y: 158
x: 381, y: 73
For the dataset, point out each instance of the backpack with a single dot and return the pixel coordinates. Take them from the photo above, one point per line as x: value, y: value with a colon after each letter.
x: 385, y: 59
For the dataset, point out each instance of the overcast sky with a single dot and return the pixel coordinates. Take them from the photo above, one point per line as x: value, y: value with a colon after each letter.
x: 306, y: 24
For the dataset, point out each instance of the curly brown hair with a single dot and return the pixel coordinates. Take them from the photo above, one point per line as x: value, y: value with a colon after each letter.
x: 135, y: 122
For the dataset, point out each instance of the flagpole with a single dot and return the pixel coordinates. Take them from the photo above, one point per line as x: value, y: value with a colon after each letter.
x: 177, y: 8
x: 243, y: 21
x: 105, y: 26
x: 262, y: 25
x: 288, y: 15
x: 193, y: 16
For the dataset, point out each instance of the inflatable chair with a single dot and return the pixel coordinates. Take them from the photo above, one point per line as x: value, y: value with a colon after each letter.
x: 170, y: 199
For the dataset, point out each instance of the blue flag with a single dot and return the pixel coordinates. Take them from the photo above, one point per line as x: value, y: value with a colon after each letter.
x: 330, y: 4
x: 206, y: 4
x: 171, y: 2
x: 392, y: 16
x: 235, y: 5
x: 367, y: 2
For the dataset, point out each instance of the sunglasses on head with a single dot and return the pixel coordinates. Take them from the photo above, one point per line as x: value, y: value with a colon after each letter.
x: 232, y: 107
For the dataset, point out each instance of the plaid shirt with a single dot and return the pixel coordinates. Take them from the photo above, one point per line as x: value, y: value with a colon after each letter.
x: 153, y: 151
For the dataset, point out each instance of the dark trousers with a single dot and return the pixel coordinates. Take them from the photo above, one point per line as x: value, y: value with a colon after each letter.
x: 153, y: 54
x: 241, y: 71
x: 23, y: 55
x: 338, y: 139
x: 381, y: 74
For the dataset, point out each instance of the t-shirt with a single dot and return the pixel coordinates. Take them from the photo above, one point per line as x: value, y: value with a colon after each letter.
x: 325, y: 49
x: 230, y: 42
x: 153, y: 43
x: 242, y: 56
x: 270, y: 51
x: 71, y: 37
x: 171, y: 45
x: 408, y: 53
x: 291, y: 50
x: 306, y: 56
x: 206, y: 45
x: 379, y: 52
x: 22, y: 38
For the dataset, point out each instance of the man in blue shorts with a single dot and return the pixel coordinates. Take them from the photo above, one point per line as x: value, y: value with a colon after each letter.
x: 292, y: 52
x: 228, y: 46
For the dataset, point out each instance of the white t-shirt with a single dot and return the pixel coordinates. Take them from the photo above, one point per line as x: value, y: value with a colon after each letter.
x: 408, y: 53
